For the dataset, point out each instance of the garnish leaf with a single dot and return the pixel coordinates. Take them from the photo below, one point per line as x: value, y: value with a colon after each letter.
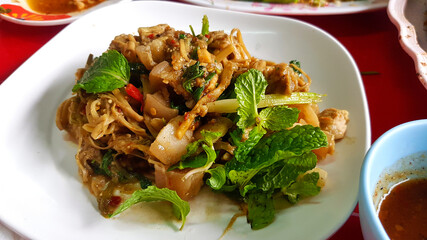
x: 243, y: 148
x: 110, y: 71
x: 281, y: 174
x: 202, y: 159
x: 250, y: 88
x: 195, y: 162
x: 278, y: 118
x: 304, y: 187
x: 261, y: 210
x: 152, y: 193
x: 218, y: 177
x: 279, y: 146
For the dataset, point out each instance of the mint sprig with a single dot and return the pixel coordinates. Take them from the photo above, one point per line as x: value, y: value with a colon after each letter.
x: 110, y: 71
x: 249, y: 88
x: 151, y: 194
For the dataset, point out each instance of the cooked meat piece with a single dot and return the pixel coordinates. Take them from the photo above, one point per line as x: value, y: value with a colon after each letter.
x: 334, y: 121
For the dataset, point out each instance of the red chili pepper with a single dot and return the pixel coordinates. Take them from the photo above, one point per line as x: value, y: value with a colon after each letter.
x: 207, y: 36
x: 173, y: 42
x: 151, y: 36
x: 186, y: 116
x: 132, y: 91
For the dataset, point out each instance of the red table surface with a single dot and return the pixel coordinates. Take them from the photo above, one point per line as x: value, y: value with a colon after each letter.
x: 395, y: 95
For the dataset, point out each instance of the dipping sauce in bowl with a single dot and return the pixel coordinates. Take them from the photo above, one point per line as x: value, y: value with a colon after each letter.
x: 61, y: 6
x: 388, y: 205
x: 403, y: 212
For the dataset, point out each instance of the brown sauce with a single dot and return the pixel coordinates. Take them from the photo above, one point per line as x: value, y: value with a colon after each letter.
x: 60, y: 6
x: 403, y: 212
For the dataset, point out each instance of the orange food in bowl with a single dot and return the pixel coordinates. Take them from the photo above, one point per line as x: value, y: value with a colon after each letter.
x: 61, y: 6
x: 403, y: 212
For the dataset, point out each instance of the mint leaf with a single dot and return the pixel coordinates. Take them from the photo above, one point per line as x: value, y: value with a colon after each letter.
x: 203, y: 159
x: 261, y: 210
x: 110, y: 71
x: 152, y: 193
x: 207, y: 138
x: 249, y: 88
x: 281, y: 174
x: 279, y: 146
x: 278, y: 118
x: 191, y: 162
x: 304, y: 187
x: 217, y: 179
x: 243, y: 148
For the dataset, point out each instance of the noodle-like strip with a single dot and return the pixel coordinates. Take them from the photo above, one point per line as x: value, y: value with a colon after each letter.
x: 200, y: 109
x: 126, y: 108
x: 183, y: 49
x: 221, y: 56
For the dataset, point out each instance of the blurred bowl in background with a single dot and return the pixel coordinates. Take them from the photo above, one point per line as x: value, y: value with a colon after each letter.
x: 401, y: 153
x: 409, y: 17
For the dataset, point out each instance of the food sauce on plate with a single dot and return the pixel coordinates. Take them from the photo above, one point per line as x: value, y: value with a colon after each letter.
x: 403, y: 212
x: 60, y: 6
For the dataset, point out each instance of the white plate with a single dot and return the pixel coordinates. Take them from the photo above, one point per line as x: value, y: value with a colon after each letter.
x: 21, y: 13
x: 42, y: 196
x: 409, y: 17
x: 293, y: 9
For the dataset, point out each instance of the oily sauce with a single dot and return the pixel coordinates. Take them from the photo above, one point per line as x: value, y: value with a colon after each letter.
x: 403, y: 212
x: 60, y: 6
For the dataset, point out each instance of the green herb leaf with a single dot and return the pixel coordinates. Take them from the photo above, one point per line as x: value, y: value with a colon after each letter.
x: 304, y: 187
x: 144, y: 182
x: 110, y: 71
x: 249, y: 88
x: 279, y: 146
x: 192, y: 72
x: 152, y: 193
x: 191, y: 162
x: 198, y: 93
x: 281, y: 174
x: 243, y: 148
x: 218, y: 177
x: 138, y: 68
x: 278, y: 118
x: 107, y: 159
x: 296, y: 63
x: 261, y: 210
x: 203, y: 159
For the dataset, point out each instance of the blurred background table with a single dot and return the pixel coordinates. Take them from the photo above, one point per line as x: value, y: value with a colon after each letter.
x: 395, y: 95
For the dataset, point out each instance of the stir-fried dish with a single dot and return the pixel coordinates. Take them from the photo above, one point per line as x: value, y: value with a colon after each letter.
x: 162, y: 113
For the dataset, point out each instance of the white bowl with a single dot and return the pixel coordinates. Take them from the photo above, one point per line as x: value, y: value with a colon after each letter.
x: 397, y: 143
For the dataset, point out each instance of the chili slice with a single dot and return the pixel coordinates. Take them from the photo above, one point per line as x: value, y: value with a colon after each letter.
x: 132, y: 91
